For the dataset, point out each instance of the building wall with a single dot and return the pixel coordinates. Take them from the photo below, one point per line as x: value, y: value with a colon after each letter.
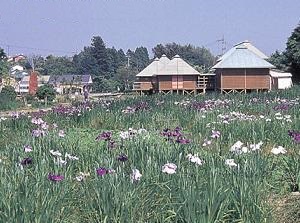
x: 243, y: 78
x: 189, y: 82
x: 177, y: 82
x: 144, y: 83
x: 164, y: 83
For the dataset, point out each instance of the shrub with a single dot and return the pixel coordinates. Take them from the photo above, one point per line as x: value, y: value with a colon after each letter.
x: 46, y: 91
x: 9, y: 93
x: 29, y: 98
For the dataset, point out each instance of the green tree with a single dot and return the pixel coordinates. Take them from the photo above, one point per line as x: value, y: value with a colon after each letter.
x: 139, y: 59
x: 58, y: 65
x: 99, y: 52
x: 8, y: 92
x: 4, y: 66
x: 35, y: 60
x: 46, y: 92
x: 292, y: 53
x: 196, y: 56
x: 125, y: 77
x: 85, y: 63
x: 279, y: 60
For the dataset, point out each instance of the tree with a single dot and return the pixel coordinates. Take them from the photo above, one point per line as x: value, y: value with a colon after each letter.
x: 85, y: 63
x: 292, y: 53
x: 125, y: 77
x: 58, y: 65
x: 4, y: 66
x: 9, y: 93
x: 279, y: 60
x: 196, y: 56
x: 141, y: 58
x: 46, y: 92
x: 34, y: 61
x: 99, y: 52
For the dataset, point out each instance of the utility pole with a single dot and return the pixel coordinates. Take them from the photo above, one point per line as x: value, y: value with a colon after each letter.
x: 128, y: 64
x: 8, y: 48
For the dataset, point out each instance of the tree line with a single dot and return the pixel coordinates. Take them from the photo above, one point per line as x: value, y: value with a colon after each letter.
x: 112, y: 69
x: 289, y: 59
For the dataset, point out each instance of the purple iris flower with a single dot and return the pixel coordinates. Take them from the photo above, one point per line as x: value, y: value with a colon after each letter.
x: 26, y: 161
x: 182, y: 140
x: 38, y: 133
x: 106, y: 136
x: 55, y: 178
x: 112, y: 144
x: 102, y: 171
x: 122, y: 158
x: 295, y: 135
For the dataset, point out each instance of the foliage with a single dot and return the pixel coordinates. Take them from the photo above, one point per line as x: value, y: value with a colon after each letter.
x: 138, y: 59
x: 293, y: 52
x: 279, y: 60
x: 46, y: 91
x: 58, y: 65
x: 196, y: 56
x: 125, y: 77
x: 9, y: 92
x: 4, y: 66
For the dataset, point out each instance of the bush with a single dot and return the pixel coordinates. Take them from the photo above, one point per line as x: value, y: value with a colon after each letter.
x: 29, y: 98
x: 46, y: 91
x: 8, y: 92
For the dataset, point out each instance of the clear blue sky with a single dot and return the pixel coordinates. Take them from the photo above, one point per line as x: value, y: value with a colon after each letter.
x: 65, y: 26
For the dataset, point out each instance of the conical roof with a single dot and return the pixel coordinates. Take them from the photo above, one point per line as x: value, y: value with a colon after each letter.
x: 178, y: 66
x: 247, y: 45
x: 242, y: 57
x: 154, y: 67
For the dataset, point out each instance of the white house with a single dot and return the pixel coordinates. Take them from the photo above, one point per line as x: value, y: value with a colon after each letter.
x: 280, y: 80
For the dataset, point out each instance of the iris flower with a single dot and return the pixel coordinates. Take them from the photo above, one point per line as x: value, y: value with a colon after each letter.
x: 55, y: 178
x: 26, y: 161
x: 169, y: 168
x: 278, y: 150
x: 27, y: 148
x: 135, y: 175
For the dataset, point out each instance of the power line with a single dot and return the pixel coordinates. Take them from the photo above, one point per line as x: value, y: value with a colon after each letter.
x: 9, y: 46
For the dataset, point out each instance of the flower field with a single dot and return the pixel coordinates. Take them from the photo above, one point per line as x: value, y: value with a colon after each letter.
x: 172, y: 158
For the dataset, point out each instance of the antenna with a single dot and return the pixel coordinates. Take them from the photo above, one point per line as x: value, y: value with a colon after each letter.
x: 223, y: 44
x: 128, y: 59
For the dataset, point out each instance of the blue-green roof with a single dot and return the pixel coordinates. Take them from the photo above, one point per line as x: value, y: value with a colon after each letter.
x: 241, y: 57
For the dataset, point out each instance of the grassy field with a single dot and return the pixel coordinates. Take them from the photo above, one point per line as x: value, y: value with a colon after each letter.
x: 212, y: 158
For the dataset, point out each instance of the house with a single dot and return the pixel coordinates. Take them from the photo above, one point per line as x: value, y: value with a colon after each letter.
x: 18, y: 72
x: 16, y: 58
x: 23, y: 86
x: 146, y: 80
x: 243, y: 69
x: 169, y: 76
x: 280, y: 80
x: 71, y: 83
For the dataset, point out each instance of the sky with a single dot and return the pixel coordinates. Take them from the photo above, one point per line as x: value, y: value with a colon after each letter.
x: 64, y: 27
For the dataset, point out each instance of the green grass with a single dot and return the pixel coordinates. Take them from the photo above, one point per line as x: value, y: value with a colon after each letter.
x: 212, y: 192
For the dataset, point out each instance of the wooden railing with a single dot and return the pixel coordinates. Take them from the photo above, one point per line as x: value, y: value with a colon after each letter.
x: 140, y: 86
x: 206, y: 82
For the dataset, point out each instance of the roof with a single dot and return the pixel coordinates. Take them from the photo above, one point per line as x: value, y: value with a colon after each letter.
x: 247, y: 45
x: 177, y: 66
x: 154, y: 67
x: 69, y: 78
x: 275, y: 73
x: 41, y: 79
x: 242, y: 57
